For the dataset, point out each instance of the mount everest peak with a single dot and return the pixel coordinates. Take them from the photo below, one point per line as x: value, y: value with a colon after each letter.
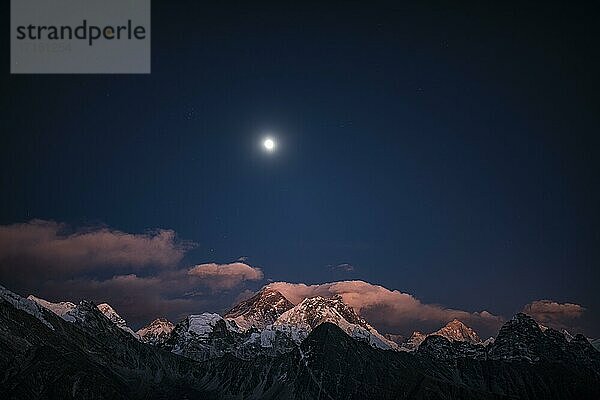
x: 260, y: 310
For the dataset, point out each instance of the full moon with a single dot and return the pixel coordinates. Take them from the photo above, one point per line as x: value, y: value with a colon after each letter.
x: 269, y: 144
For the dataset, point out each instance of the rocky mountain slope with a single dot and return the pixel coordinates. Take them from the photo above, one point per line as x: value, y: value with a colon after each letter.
x: 43, y: 356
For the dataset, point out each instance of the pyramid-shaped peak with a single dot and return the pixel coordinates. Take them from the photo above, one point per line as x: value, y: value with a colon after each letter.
x: 157, y: 332
x: 456, y: 330
x: 161, y: 321
x: 260, y: 310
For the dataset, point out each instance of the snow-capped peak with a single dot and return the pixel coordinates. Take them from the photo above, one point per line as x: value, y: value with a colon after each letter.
x: 157, y: 332
x: 456, y: 331
x: 202, y: 325
x: 260, y: 310
x: 111, y: 314
x: 311, y: 312
x: 115, y: 318
x: 70, y: 312
x: 60, y: 309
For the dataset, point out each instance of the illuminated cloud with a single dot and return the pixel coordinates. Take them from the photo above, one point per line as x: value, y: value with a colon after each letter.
x: 225, y: 276
x: 390, y: 310
x: 553, y: 314
x: 47, y: 245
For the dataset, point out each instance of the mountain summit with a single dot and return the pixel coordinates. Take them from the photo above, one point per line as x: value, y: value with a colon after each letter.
x: 91, y: 357
x: 260, y: 310
x: 454, y: 331
x: 157, y: 332
x: 311, y: 312
x: 458, y: 332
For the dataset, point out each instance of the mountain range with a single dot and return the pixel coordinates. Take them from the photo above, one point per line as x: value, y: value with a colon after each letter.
x: 268, y: 348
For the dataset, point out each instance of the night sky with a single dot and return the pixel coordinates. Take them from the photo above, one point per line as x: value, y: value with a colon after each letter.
x: 445, y: 152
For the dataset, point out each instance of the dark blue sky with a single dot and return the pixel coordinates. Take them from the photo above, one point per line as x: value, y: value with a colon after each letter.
x: 447, y: 152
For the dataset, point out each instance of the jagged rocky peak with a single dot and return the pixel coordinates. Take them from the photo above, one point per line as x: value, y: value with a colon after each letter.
x: 520, y: 324
x: 457, y: 331
x: 157, y: 332
x: 260, y: 310
x: 521, y: 338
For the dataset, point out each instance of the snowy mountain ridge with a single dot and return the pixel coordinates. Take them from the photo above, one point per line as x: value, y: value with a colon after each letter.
x: 71, y: 313
x: 300, y: 320
x: 27, y: 305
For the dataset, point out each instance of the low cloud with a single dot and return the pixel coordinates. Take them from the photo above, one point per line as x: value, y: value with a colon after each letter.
x: 225, y: 276
x: 55, y: 248
x: 390, y: 310
x: 139, y: 274
x: 170, y: 293
x: 553, y: 314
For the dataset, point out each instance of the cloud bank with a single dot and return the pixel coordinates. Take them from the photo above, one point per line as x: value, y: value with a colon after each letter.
x: 390, y: 310
x: 139, y: 274
x: 41, y: 245
x: 553, y: 314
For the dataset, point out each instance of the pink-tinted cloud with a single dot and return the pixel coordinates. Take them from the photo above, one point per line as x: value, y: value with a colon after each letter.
x: 225, y: 276
x: 390, y: 310
x: 171, y: 293
x: 40, y: 245
x: 553, y: 314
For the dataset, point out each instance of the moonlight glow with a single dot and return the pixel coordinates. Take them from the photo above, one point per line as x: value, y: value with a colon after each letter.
x: 269, y: 144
